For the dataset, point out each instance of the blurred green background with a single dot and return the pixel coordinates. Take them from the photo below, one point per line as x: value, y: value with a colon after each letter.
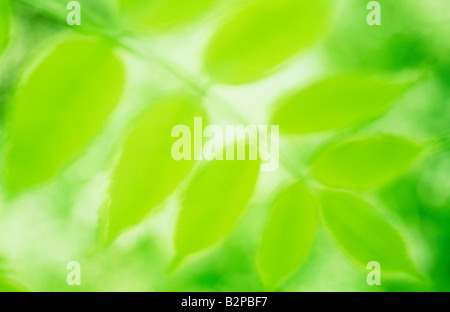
x: 86, y: 113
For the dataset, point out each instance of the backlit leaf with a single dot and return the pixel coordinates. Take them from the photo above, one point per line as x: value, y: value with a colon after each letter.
x: 364, y: 163
x: 336, y: 103
x: 59, y: 108
x: 155, y: 15
x: 147, y: 173
x: 213, y: 203
x: 363, y: 233
x: 262, y: 36
x: 289, y: 235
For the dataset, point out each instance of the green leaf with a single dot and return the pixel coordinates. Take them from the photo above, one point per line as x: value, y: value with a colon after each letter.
x: 147, y: 173
x: 59, y: 108
x: 156, y: 15
x: 289, y: 235
x: 5, y: 13
x: 363, y: 233
x: 335, y: 103
x: 364, y: 163
x: 262, y: 36
x: 213, y: 203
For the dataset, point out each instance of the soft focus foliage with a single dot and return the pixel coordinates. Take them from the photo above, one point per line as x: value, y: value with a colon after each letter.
x: 87, y: 175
